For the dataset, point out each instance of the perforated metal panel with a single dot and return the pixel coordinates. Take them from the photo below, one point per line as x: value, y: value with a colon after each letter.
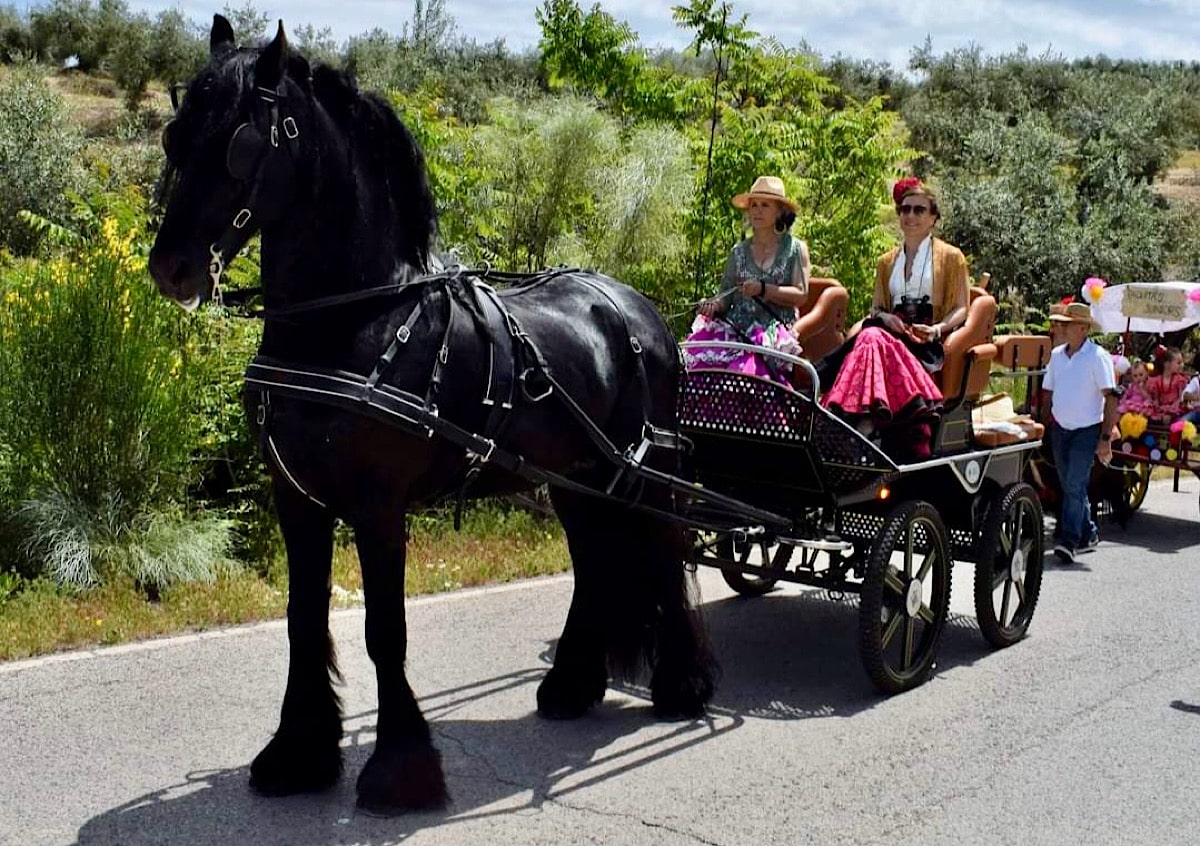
x: 737, y: 404
x: 718, y: 404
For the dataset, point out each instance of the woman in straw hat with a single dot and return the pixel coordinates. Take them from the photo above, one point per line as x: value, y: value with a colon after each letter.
x: 879, y: 379
x: 765, y: 281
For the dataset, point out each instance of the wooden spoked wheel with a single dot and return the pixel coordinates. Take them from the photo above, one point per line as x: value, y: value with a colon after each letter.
x: 905, y: 597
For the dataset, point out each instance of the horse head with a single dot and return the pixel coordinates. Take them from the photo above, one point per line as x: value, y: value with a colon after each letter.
x: 264, y: 142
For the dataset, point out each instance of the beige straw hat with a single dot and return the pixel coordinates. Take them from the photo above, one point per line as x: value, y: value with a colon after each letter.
x: 1076, y: 313
x: 765, y: 188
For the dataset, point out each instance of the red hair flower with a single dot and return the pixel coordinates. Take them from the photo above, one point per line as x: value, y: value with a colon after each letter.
x: 903, y: 186
x: 1067, y: 300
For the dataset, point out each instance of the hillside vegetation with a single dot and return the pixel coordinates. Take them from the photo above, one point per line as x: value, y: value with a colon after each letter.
x: 590, y: 150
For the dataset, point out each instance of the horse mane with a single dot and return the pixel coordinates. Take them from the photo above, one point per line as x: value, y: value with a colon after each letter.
x: 385, y: 148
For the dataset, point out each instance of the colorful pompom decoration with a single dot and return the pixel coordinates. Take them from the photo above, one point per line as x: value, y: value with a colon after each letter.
x: 1132, y: 425
x: 1194, y: 295
x: 1184, y: 430
x: 1093, y: 289
x: 1120, y: 364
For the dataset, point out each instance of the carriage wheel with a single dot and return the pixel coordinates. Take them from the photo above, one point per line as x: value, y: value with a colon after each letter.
x: 1137, y: 483
x: 1008, y: 568
x: 774, y: 556
x: 905, y: 598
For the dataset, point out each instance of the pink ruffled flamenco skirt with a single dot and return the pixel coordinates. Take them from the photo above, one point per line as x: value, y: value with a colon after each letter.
x: 881, y: 379
x: 776, y: 337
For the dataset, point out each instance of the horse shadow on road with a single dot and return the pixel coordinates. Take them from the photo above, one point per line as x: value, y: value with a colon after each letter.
x: 494, y: 768
x: 789, y: 655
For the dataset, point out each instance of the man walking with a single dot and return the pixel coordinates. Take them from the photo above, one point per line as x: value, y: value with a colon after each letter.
x: 1083, y: 401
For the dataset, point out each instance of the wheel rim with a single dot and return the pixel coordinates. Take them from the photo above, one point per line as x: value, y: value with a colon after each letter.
x: 909, y: 616
x: 1018, y: 541
x: 1137, y: 483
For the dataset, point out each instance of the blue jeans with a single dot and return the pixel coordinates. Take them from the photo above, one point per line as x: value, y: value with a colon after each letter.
x: 1193, y: 417
x: 1074, y: 450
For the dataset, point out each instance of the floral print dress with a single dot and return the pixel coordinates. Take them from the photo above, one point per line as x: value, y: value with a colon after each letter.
x: 747, y: 320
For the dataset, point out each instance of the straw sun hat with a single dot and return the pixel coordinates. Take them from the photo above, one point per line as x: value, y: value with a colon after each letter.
x: 1075, y: 313
x: 765, y: 188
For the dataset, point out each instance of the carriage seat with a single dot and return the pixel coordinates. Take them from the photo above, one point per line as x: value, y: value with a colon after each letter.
x: 821, y: 324
x: 969, y: 349
x: 1022, y: 352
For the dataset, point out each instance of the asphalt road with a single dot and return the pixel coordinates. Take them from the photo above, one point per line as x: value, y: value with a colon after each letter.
x: 1087, y: 732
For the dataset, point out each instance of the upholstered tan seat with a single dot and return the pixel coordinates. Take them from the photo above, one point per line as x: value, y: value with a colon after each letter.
x: 821, y: 324
x: 969, y: 350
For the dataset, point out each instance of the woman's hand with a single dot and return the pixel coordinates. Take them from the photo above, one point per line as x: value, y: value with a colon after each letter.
x: 926, y: 333
x: 710, y: 307
x: 753, y: 288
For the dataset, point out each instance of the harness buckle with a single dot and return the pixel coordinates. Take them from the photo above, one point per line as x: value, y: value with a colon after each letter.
x: 403, y: 334
x: 290, y: 129
x: 636, y: 344
x: 241, y: 218
x: 525, y: 387
x: 443, y: 354
x: 476, y: 458
x: 274, y: 135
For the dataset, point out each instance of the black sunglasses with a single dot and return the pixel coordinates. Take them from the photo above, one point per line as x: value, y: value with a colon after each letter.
x: 915, y: 210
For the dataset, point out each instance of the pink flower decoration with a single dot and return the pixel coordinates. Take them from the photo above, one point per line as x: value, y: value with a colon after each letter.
x: 1093, y: 289
x: 1194, y: 295
x: 1177, y: 427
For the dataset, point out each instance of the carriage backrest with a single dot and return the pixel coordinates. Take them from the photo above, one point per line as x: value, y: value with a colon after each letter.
x: 821, y: 322
x: 969, y: 348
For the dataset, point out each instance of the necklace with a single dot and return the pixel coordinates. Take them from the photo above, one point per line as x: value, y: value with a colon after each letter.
x: 920, y: 276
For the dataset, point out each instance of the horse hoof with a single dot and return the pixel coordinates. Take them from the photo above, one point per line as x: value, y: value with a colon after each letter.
x: 398, y: 780
x: 560, y: 697
x: 285, y: 768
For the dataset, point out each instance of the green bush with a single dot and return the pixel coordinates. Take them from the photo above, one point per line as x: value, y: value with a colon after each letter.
x: 97, y: 423
x: 38, y: 149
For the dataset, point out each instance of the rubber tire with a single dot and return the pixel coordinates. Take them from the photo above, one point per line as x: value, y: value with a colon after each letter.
x: 1017, y: 500
x: 746, y: 584
x: 877, y: 593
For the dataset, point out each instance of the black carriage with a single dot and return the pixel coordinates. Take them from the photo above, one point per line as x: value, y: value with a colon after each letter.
x: 836, y: 512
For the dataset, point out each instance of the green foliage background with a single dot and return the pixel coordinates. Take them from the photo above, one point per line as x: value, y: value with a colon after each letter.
x: 590, y: 150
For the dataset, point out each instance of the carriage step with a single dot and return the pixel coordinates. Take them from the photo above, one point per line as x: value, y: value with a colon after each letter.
x: 831, y: 543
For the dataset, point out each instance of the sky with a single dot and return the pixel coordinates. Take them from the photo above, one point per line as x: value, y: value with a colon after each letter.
x: 881, y: 30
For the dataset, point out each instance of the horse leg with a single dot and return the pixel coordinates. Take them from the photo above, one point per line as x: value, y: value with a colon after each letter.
x: 682, y: 680
x: 630, y: 608
x: 579, y: 677
x: 304, y: 755
x: 405, y: 770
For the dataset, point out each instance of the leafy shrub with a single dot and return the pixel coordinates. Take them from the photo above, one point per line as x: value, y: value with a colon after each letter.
x: 97, y: 422
x: 38, y: 148
x: 544, y: 162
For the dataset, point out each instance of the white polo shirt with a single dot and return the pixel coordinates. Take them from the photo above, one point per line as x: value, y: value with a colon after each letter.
x: 1077, y: 384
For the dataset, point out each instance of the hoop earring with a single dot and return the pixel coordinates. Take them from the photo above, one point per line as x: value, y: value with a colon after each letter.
x: 780, y: 226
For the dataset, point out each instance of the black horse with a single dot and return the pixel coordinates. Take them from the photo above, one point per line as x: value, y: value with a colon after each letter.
x: 337, y: 187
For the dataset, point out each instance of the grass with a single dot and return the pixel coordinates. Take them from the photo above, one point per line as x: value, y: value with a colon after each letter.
x: 496, y: 546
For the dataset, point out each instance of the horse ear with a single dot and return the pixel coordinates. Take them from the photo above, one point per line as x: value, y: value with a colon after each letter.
x: 272, y: 62
x: 221, y: 36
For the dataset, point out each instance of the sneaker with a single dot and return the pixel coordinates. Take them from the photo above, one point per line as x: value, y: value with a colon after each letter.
x: 1064, y: 553
x: 1091, y: 543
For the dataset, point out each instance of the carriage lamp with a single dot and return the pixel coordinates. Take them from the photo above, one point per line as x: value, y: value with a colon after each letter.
x: 883, y: 493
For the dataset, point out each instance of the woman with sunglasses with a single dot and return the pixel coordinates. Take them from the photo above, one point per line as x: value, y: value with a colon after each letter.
x: 880, y: 378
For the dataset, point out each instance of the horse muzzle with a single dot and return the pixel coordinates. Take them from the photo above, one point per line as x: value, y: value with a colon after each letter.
x: 187, y: 286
